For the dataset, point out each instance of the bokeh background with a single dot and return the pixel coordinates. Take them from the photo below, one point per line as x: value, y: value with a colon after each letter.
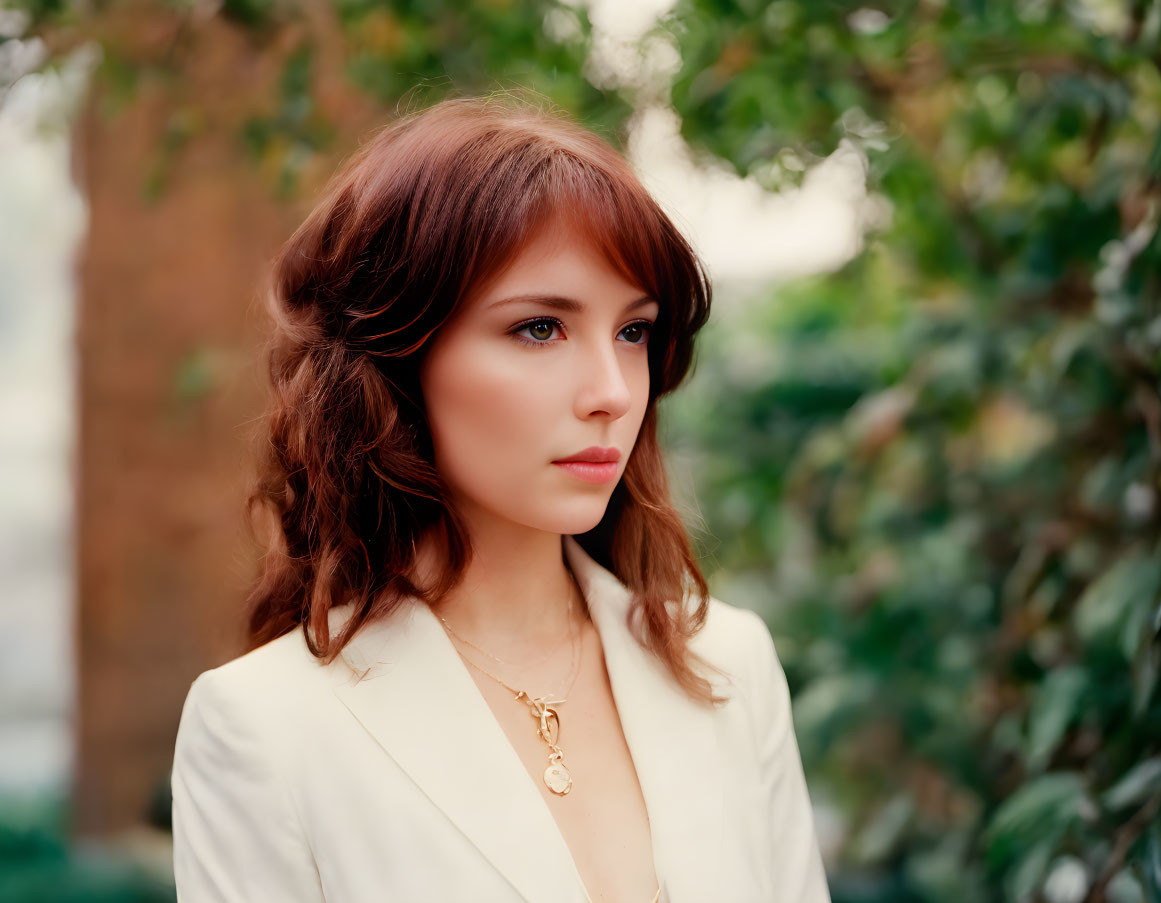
x: 922, y: 438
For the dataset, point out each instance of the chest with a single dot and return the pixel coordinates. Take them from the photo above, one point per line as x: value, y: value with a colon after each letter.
x: 602, y: 818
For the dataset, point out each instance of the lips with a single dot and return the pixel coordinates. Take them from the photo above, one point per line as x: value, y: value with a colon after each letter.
x: 594, y: 454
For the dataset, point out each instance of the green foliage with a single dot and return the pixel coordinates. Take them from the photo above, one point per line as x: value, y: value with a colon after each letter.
x: 401, y: 55
x: 295, y: 131
x: 951, y: 448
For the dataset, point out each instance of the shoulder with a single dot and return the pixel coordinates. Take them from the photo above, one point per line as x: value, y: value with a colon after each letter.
x: 730, y: 629
x: 237, y: 833
x: 255, y: 688
x: 725, y: 620
x: 738, y: 640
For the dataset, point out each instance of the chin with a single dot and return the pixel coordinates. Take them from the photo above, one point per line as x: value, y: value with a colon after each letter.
x: 570, y: 519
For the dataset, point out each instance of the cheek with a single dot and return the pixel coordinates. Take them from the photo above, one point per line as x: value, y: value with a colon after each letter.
x: 486, y: 409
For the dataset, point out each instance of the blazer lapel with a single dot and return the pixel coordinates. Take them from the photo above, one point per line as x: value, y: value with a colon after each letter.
x: 422, y: 706
x: 674, y: 743
x: 420, y: 703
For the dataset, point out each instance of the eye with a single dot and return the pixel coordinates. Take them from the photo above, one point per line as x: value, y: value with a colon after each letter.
x: 541, y: 328
x: 641, y: 327
x: 539, y: 325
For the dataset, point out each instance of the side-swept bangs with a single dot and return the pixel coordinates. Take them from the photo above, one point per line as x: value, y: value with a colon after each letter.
x: 425, y: 215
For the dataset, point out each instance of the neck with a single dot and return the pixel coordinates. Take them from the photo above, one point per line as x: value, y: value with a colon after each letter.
x: 514, y: 598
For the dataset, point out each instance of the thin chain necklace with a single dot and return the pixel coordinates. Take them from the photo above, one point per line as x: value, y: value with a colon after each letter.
x: 539, y: 661
x: 556, y: 776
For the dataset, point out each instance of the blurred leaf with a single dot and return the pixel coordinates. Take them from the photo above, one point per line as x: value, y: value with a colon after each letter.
x: 1133, y: 580
x: 1151, y: 861
x: 1142, y: 781
x: 1040, y: 811
x: 1030, y: 870
x: 879, y: 837
x: 1055, y: 704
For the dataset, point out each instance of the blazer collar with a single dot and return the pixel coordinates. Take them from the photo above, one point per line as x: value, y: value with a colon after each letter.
x: 420, y: 703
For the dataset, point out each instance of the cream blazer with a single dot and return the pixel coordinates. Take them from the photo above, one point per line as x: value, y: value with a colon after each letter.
x: 295, y: 782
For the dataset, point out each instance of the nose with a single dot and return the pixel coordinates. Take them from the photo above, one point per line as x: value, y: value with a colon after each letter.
x: 603, y: 388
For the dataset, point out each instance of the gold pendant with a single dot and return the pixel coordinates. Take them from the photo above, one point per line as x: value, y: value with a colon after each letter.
x: 556, y: 776
x: 549, y: 728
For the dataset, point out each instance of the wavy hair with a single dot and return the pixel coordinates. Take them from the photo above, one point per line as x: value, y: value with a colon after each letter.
x: 432, y: 204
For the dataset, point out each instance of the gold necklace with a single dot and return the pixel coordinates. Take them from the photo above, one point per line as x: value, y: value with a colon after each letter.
x: 539, y: 661
x: 556, y: 776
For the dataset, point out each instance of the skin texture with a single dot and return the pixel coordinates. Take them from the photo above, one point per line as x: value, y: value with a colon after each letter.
x: 501, y: 408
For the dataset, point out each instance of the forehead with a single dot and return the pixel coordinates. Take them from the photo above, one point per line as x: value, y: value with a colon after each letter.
x: 560, y: 259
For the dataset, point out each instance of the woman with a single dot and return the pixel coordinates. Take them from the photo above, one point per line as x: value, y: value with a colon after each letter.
x: 471, y: 527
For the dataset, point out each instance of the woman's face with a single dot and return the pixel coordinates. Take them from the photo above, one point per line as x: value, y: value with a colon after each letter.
x: 546, y: 361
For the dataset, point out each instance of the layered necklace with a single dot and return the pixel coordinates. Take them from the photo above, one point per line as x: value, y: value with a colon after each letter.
x: 542, y: 708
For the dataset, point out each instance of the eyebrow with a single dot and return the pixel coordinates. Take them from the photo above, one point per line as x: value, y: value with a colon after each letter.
x: 561, y: 302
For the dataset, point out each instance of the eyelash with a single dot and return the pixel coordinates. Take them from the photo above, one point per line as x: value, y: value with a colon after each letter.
x: 555, y: 322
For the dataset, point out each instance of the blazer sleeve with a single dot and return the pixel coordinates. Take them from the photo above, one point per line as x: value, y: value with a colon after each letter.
x: 782, y: 788
x: 236, y: 835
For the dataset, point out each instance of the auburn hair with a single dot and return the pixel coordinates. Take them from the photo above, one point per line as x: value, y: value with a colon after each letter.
x: 431, y: 205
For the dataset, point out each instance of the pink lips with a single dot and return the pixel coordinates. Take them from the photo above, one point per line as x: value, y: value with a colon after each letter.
x: 594, y: 454
x: 593, y: 465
